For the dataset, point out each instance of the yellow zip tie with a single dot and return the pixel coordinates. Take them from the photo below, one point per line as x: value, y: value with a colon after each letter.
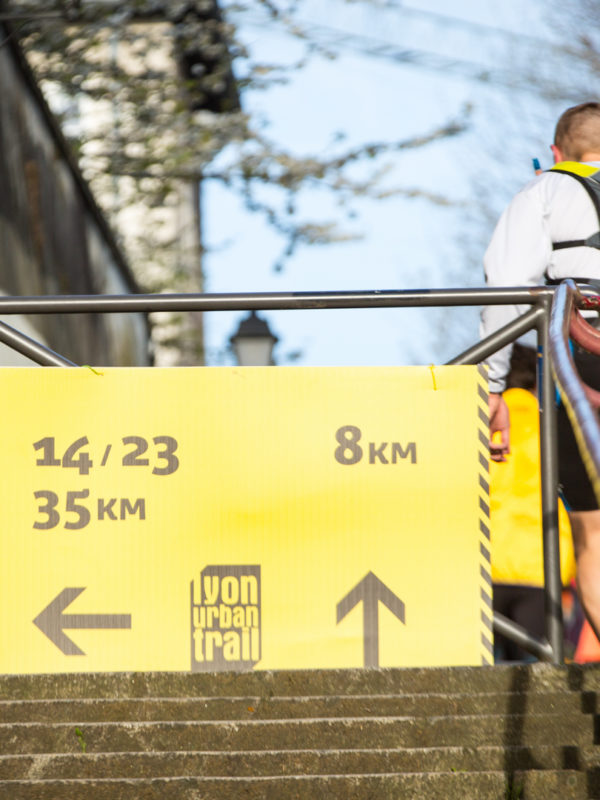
x: 432, y: 370
x: 95, y: 371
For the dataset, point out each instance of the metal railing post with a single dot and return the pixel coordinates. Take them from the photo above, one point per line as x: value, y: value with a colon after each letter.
x: 549, y: 480
x: 31, y: 348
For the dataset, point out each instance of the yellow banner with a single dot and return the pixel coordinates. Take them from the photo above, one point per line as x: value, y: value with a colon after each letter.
x: 257, y: 518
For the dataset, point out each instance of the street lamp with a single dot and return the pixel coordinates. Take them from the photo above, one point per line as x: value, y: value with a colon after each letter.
x: 253, y: 342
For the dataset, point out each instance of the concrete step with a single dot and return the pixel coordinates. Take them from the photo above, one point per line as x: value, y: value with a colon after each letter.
x: 273, y: 763
x: 549, y: 785
x: 300, y: 683
x: 336, y: 733
x: 246, y: 708
x: 525, y: 732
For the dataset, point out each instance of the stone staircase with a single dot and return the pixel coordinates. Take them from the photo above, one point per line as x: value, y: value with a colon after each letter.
x: 502, y: 732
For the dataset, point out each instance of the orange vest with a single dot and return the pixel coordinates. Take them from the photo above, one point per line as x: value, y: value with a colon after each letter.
x: 515, y: 503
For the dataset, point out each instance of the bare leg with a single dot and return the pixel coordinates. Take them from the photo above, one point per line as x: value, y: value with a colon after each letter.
x: 585, y: 527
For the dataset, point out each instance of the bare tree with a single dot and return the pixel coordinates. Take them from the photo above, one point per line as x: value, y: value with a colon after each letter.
x: 150, y: 94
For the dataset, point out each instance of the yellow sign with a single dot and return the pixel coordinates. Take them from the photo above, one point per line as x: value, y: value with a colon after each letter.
x: 257, y: 518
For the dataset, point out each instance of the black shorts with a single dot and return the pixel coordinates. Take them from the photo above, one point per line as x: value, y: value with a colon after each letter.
x: 575, y: 486
x: 524, y: 605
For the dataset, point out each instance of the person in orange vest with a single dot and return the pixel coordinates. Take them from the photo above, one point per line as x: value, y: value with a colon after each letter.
x: 516, y: 517
x: 587, y: 650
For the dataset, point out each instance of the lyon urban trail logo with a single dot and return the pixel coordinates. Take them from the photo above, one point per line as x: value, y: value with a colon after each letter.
x: 225, y: 618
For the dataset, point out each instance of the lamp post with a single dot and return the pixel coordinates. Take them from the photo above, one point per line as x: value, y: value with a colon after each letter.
x: 253, y: 342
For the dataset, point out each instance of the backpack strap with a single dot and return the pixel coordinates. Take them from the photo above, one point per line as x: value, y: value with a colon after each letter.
x: 591, y: 183
x: 557, y: 281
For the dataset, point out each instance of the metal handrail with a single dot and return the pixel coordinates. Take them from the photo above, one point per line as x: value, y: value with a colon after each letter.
x: 247, y: 301
x: 581, y: 401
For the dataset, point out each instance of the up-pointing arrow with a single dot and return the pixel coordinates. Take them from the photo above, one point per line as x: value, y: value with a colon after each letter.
x: 51, y: 621
x: 371, y: 591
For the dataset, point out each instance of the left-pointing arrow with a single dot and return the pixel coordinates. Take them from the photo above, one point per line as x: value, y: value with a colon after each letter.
x: 51, y: 621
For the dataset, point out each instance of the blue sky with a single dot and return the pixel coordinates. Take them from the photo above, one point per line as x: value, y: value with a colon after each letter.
x: 406, y: 243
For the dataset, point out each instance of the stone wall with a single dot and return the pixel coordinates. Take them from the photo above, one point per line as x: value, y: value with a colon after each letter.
x: 53, y: 238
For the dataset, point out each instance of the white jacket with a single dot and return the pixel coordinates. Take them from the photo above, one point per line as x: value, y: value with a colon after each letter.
x: 553, y: 207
